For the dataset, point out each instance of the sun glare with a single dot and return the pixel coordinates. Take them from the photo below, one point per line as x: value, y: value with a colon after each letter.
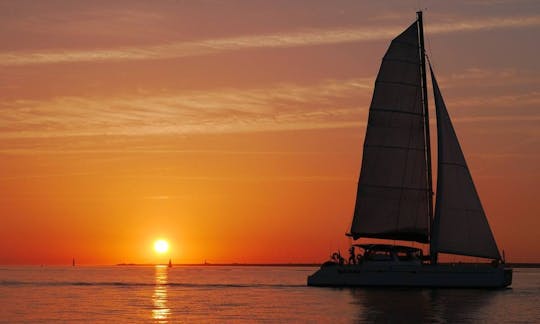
x: 161, y: 246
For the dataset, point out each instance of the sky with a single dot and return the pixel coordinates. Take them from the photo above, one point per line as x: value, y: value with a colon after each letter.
x: 234, y: 129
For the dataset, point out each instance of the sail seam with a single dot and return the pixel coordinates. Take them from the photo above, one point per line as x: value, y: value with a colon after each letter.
x: 400, y: 61
x: 464, y: 209
x: 454, y: 164
x: 396, y: 147
x: 395, y: 41
x: 398, y: 83
x: 398, y: 111
x: 394, y: 187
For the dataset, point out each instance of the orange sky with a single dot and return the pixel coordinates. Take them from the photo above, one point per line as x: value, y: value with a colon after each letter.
x: 234, y: 129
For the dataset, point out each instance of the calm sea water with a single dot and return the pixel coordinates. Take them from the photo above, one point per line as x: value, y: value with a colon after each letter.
x: 231, y: 294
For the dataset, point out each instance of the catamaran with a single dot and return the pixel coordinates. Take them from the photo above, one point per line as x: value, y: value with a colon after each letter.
x: 394, y: 199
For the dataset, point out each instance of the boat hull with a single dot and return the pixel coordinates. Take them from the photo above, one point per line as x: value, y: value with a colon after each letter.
x: 417, y: 275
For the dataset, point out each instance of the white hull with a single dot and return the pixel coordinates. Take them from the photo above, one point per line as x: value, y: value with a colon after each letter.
x: 371, y: 274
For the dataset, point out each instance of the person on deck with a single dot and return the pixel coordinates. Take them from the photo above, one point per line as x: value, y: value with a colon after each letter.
x: 352, y: 256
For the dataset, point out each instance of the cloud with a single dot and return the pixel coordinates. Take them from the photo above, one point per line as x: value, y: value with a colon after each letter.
x: 510, y: 101
x: 163, y: 197
x: 494, y: 80
x: 273, y: 178
x: 194, y: 48
x: 311, y: 37
x: 484, y: 24
x: 328, y: 104
x: 503, y: 118
x: 491, y: 77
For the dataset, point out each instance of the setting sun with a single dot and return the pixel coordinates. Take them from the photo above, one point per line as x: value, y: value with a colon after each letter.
x: 161, y: 246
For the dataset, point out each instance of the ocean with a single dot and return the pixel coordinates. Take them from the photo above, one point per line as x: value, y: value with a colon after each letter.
x: 198, y: 294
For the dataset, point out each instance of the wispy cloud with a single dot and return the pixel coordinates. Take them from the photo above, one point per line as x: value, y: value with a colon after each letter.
x: 499, y: 87
x: 490, y: 77
x: 484, y: 24
x: 196, y: 48
x: 163, y: 197
x: 273, y: 178
x: 528, y: 99
x: 278, y: 40
x: 503, y: 118
x: 328, y: 104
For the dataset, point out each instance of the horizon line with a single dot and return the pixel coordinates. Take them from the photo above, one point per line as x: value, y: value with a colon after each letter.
x: 233, y: 264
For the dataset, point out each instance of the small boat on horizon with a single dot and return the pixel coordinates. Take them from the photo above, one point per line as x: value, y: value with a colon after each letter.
x: 394, y: 200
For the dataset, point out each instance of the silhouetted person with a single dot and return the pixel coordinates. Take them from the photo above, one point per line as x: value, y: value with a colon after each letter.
x: 352, y: 256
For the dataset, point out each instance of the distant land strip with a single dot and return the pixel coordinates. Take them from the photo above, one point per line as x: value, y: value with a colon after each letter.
x: 513, y: 265
x: 227, y: 264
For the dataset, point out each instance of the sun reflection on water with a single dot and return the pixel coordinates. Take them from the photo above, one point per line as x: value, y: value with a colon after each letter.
x: 161, y: 313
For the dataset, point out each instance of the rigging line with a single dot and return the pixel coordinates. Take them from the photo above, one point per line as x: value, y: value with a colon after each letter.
x: 428, y: 60
x: 429, y: 49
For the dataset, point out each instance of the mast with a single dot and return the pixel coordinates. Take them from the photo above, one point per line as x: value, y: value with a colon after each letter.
x: 426, y: 118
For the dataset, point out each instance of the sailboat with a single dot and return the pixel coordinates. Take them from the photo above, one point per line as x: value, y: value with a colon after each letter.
x: 394, y: 198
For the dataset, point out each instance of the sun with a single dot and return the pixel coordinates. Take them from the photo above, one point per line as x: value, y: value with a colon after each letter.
x: 161, y: 246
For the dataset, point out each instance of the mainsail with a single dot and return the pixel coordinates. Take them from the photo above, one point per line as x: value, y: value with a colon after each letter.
x: 460, y: 225
x: 393, y: 196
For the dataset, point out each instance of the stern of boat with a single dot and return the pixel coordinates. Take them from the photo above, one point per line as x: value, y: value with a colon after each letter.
x: 508, y: 276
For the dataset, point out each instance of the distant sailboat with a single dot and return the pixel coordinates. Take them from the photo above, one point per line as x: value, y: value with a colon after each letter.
x: 394, y: 197
x: 73, y: 262
x: 170, y: 263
